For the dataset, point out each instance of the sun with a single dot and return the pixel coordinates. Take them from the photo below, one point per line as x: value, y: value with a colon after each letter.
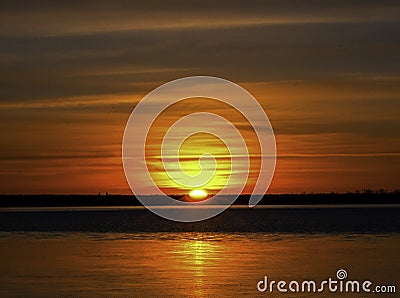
x: 198, y: 194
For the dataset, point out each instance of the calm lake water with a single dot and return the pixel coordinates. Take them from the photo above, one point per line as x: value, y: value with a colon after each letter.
x: 197, y: 263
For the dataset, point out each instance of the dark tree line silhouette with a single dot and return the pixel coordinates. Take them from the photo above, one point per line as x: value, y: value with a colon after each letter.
x: 366, y: 196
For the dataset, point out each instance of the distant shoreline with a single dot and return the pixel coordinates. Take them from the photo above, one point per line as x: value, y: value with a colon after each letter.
x: 80, y: 200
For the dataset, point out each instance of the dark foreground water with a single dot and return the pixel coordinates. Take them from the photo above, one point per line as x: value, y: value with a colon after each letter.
x: 130, y: 252
x: 288, y: 219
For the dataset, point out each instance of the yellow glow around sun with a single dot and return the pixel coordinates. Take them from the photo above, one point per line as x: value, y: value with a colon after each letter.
x: 190, y: 154
x: 201, y: 154
x: 198, y: 194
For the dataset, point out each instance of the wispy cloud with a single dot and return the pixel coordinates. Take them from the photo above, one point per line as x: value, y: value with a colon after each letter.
x: 326, y: 72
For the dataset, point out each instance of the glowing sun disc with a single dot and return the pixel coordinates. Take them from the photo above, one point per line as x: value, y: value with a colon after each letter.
x: 198, y: 194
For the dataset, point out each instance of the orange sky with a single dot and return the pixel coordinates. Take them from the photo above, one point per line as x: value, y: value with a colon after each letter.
x: 72, y: 73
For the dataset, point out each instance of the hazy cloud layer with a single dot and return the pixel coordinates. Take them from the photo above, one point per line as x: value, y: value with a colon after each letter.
x: 326, y: 72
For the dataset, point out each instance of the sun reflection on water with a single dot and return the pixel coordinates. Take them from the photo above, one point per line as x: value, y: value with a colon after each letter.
x: 197, y: 259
